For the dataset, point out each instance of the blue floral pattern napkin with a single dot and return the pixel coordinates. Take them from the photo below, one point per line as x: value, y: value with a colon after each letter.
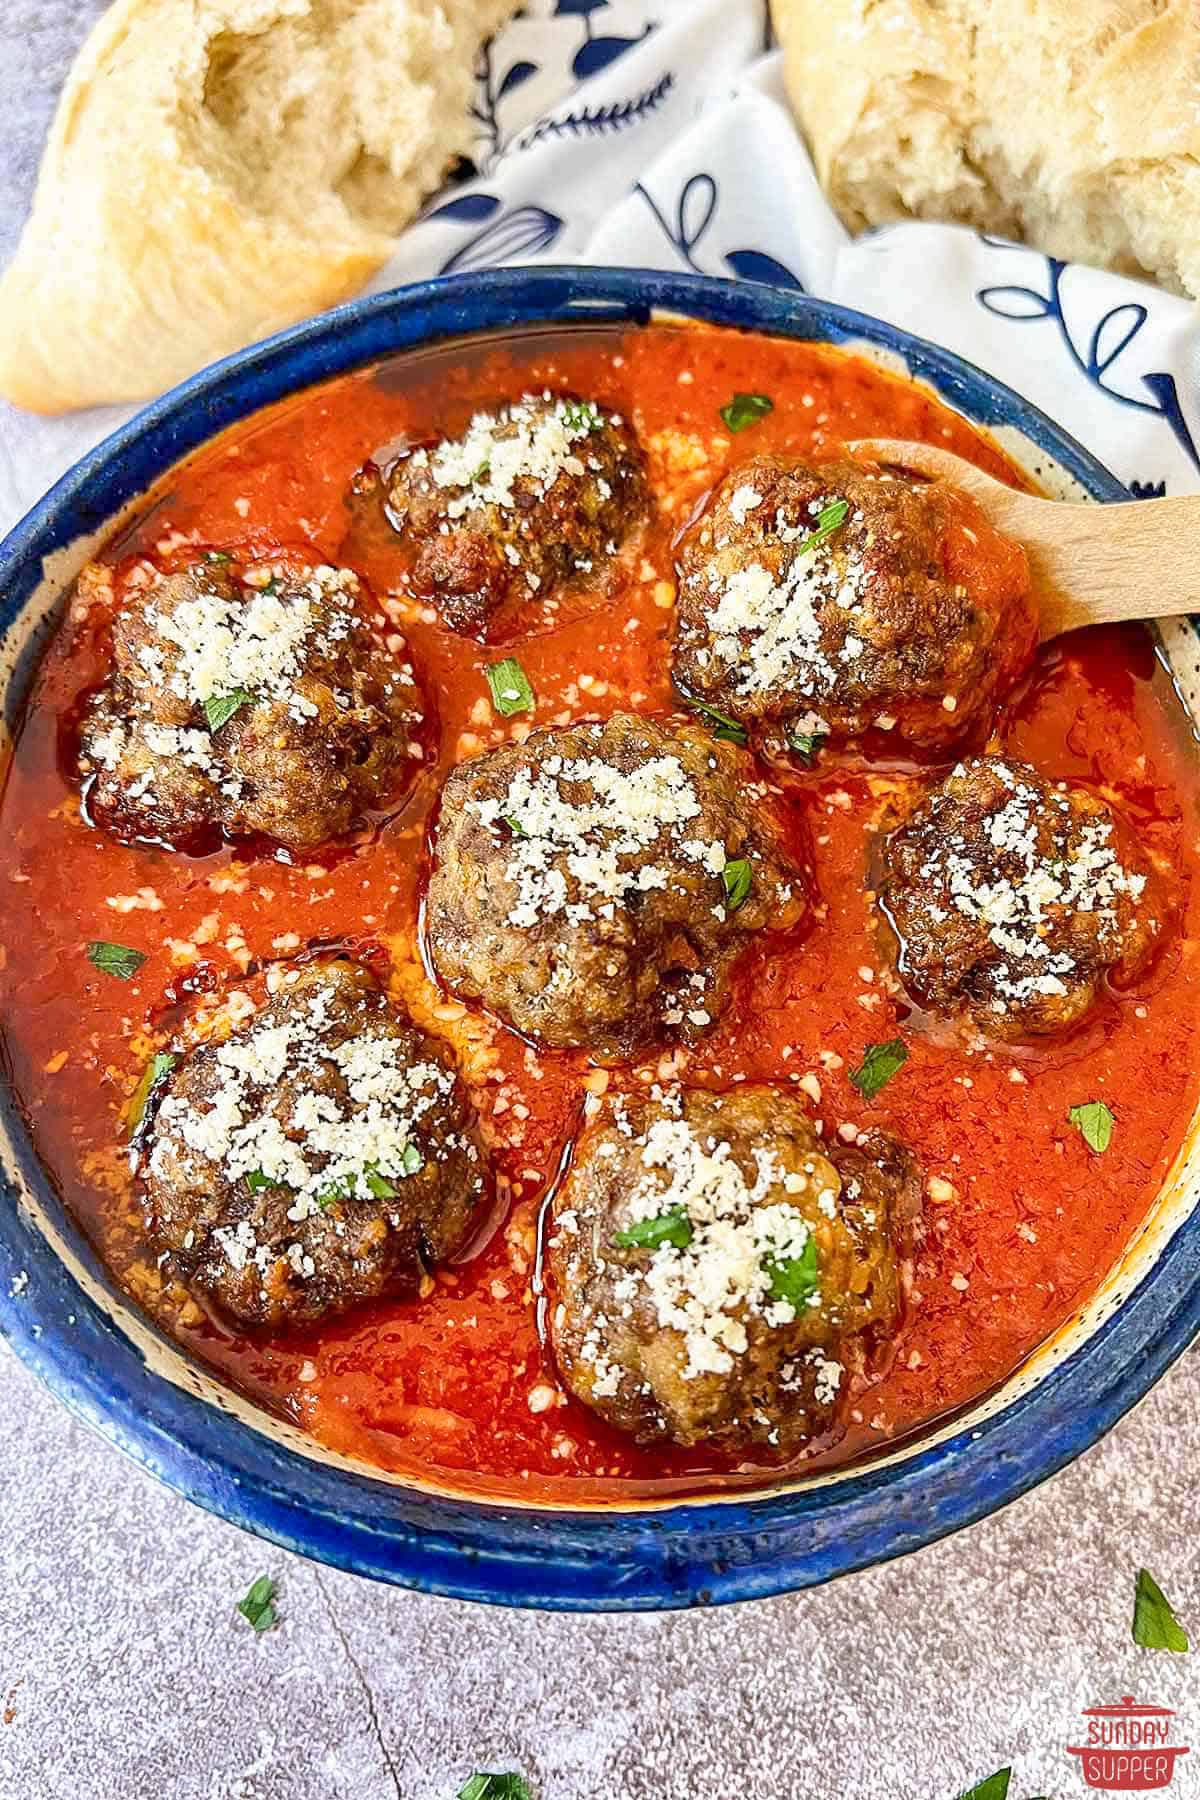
x: 656, y: 133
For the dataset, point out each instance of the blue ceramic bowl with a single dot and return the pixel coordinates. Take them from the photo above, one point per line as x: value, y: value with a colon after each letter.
x: 69, y: 1322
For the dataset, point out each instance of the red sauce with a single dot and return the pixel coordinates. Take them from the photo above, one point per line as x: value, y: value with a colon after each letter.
x: 1023, y: 1221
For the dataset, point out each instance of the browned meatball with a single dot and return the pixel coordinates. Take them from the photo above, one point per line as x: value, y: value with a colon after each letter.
x: 535, y: 494
x: 321, y: 1155
x: 820, y: 602
x: 271, y: 708
x: 1014, y: 897
x: 716, y: 1273
x: 594, y: 884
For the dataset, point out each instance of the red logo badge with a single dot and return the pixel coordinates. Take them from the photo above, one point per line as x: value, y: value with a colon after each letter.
x: 1128, y: 1748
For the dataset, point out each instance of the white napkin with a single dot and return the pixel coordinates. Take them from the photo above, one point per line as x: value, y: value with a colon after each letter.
x: 658, y: 135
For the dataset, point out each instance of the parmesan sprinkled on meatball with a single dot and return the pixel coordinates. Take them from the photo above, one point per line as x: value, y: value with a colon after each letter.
x: 541, y: 492
x: 1014, y: 897
x: 594, y: 884
x: 819, y: 602
x: 266, y: 704
x: 321, y: 1155
x: 716, y: 1273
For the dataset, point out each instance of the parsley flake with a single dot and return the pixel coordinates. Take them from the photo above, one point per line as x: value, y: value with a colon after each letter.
x: 259, y: 1604
x: 994, y: 1787
x: 794, y: 1279
x: 725, y: 729
x: 1155, y: 1626
x: 379, y: 1184
x: 738, y: 878
x: 805, y: 743
x: 115, y: 959
x: 880, y: 1062
x: 486, y: 1786
x: 153, y: 1076
x: 581, y: 415
x: 220, y: 708
x: 255, y: 1181
x: 511, y: 692
x: 746, y: 409
x: 1094, y: 1123
x: 831, y: 518
x: 514, y: 825
x: 672, y: 1227
x: 217, y: 556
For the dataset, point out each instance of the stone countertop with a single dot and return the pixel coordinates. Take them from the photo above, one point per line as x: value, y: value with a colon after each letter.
x: 126, y: 1673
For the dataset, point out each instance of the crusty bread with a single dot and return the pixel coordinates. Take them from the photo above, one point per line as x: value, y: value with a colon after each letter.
x: 1072, y: 123
x: 220, y: 168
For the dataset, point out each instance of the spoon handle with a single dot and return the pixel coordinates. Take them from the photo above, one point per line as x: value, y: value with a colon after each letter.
x: 1094, y: 565
x: 1091, y: 565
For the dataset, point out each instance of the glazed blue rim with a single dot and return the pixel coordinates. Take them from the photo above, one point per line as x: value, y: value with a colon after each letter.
x: 676, y: 1556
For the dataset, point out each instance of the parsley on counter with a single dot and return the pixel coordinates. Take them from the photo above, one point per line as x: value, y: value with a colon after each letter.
x: 1155, y: 1626
x: 482, y: 1786
x: 259, y: 1604
x: 994, y: 1787
x: 880, y: 1062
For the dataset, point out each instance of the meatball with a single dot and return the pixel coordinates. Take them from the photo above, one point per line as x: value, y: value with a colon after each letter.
x: 719, y: 1275
x: 1012, y: 897
x: 530, y: 496
x: 819, y: 602
x: 321, y: 1155
x: 594, y: 884
x: 261, y: 704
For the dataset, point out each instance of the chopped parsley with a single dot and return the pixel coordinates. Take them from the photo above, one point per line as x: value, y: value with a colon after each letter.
x: 217, y: 556
x: 804, y: 743
x: 581, y: 415
x: 794, y: 1278
x: 115, y: 959
x: 259, y: 1604
x: 255, y: 1181
x: 831, y: 518
x: 153, y: 1076
x: 994, y: 1787
x: 220, y: 708
x: 746, y: 409
x: 484, y: 1786
x: 379, y: 1184
x: 672, y: 1227
x: 738, y: 877
x: 1155, y: 1626
x: 1094, y: 1123
x: 515, y: 826
x: 880, y: 1062
x: 509, y: 684
x: 727, y: 730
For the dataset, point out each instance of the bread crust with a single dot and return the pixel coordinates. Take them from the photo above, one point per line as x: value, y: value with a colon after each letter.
x: 1071, y: 123
x: 215, y: 172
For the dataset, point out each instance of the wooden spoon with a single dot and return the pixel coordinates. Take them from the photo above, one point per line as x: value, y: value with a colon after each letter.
x: 1091, y: 565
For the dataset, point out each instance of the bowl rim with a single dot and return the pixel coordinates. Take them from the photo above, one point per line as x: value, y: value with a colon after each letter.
x: 693, y: 1552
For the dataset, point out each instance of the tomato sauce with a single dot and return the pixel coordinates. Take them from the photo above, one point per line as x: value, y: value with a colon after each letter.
x: 1021, y: 1220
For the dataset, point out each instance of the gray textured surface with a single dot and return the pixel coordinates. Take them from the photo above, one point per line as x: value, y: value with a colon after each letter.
x: 125, y: 1673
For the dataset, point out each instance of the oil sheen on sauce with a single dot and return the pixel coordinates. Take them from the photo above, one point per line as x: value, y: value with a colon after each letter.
x: 1021, y: 1221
